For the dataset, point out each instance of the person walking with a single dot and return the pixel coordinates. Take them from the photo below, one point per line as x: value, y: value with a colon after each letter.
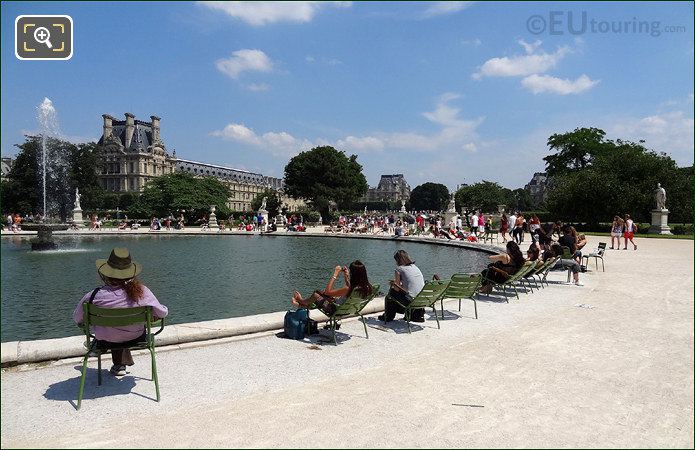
x: 616, y: 231
x: 630, y: 230
x: 504, y: 227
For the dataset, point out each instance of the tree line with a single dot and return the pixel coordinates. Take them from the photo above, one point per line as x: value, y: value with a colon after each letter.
x: 590, y: 179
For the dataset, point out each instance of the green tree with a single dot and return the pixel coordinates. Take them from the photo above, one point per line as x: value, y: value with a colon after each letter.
x: 575, y: 150
x: 621, y: 179
x: 429, y: 197
x: 69, y: 166
x: 483, y: 196
x: 273, y: 202
x: 182, y: 192
x: 521, y: 200
x: 83, y: 172
x: 324, y: 174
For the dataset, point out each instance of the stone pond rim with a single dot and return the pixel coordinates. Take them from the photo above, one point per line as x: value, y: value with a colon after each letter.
x: 44, y: 234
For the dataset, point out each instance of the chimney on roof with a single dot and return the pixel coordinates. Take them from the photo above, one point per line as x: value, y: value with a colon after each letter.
x: 129, y: 128
x: 155, y: 128
x: 108, y: 126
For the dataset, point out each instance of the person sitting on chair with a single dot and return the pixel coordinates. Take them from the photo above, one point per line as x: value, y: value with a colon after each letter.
x: 121, y: 289
x: 408, y: 282
x: 354, y: 277
x: 502, y: 266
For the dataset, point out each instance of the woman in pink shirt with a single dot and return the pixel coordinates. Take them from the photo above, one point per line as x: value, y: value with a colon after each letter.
x: 121, y: 289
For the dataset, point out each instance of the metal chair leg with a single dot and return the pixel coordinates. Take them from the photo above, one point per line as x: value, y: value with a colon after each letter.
x: 364, y: 323
x: 434, y: 308
x: 475, y: 307
x: 84, y: 375
x: 154, y: 372
x: 99, y: 369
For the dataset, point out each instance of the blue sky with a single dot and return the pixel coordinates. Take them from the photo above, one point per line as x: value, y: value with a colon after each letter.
x: 452, y: 92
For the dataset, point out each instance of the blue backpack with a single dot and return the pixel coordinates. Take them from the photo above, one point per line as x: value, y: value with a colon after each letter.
x: 296, y: 323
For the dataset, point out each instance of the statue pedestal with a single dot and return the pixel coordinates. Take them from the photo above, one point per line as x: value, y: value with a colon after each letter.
x: 264, y: 214
x: 659, y: 222
x: 448, y: 216
x: 212, y: 221
x: 77, y: 217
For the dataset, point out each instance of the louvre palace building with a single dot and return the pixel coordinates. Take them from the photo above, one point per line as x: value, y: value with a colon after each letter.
x: 131, y: 153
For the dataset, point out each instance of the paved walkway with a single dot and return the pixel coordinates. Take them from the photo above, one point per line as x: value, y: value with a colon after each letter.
x: 609, y: 364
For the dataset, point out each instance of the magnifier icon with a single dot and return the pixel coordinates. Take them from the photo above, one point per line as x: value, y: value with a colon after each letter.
x: 42, y: 36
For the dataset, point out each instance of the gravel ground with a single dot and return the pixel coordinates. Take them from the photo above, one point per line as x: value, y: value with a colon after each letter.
x: 608, y: 364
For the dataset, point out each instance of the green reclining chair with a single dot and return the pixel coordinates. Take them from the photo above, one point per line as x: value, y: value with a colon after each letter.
x: 117, y: 317
x: 528, y: 266
x: 352, y: 306
x: 426, y: 298
x: 463, y: 285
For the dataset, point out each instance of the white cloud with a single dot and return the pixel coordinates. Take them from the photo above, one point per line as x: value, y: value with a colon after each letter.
x: 441, y: 8
x: 278, y: 143
x: 455, y: 133
x: 472, y: 42
x: 310, y: 59
x: 530, y: 48
x: 258, y: 87
x: 262, y: 13
x: 521, y: 65
x: 670, y: 132
x: 245, y: 60
x: 545, y: 83
x: 368, y: 143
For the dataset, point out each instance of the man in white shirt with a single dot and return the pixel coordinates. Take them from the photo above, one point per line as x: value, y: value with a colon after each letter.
x: 474, y: 223
x: 511, y: 220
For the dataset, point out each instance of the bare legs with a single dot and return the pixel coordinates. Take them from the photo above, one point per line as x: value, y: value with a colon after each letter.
x: 297, y: 299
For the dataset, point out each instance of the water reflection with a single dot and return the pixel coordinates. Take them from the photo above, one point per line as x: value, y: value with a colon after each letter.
x: 197, y: 277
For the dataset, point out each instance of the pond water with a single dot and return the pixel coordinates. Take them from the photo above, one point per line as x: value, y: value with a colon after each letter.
x: 197, y: 277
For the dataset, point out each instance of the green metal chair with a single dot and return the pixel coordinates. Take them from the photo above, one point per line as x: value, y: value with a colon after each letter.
x: 491, y: 235
x: 463, y: 285
x: 539, y: 271
x: 528, y: 265
x: 352, y: 306
x: 117, y: 317
x: 426, y: 298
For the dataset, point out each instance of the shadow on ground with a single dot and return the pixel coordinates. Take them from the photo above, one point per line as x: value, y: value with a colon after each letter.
x: 68, y: 390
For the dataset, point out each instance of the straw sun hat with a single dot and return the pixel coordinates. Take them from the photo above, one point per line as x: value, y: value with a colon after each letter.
x: 119, y: 265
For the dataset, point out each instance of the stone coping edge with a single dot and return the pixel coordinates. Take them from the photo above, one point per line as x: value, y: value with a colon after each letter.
x: 27, y: 352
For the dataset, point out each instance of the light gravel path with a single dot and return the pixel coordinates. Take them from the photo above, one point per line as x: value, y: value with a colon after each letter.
x: 537, y: 372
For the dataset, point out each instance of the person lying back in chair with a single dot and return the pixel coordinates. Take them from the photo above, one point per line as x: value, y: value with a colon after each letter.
x: 355, y: 279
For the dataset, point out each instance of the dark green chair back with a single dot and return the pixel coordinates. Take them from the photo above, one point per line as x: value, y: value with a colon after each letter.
x: 430, y: 293
x: 463, y: 285
x: 526, y: 268
x: 355, y: 303
x: 566, y: 252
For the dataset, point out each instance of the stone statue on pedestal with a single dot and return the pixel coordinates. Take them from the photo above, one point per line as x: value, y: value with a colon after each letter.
x: 452, y: 204
x: 263, y: 204
x: 77, y: 198
x: 660, y: 195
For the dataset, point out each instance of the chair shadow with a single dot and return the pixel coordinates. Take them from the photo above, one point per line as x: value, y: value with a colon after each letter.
x: 67, y: 390
x: 398, y: 326
x: 448, y: 315
x: 323, y: 337
x: 496, y: 297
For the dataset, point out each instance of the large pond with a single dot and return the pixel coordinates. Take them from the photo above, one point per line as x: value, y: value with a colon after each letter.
x: 197, y: 277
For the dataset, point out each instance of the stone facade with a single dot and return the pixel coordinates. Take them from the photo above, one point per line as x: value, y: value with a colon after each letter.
x: 132, y: 153
x: 391, y: 188
x: 538, y: 187
x: 5, y: 167
x: 244, y: 186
